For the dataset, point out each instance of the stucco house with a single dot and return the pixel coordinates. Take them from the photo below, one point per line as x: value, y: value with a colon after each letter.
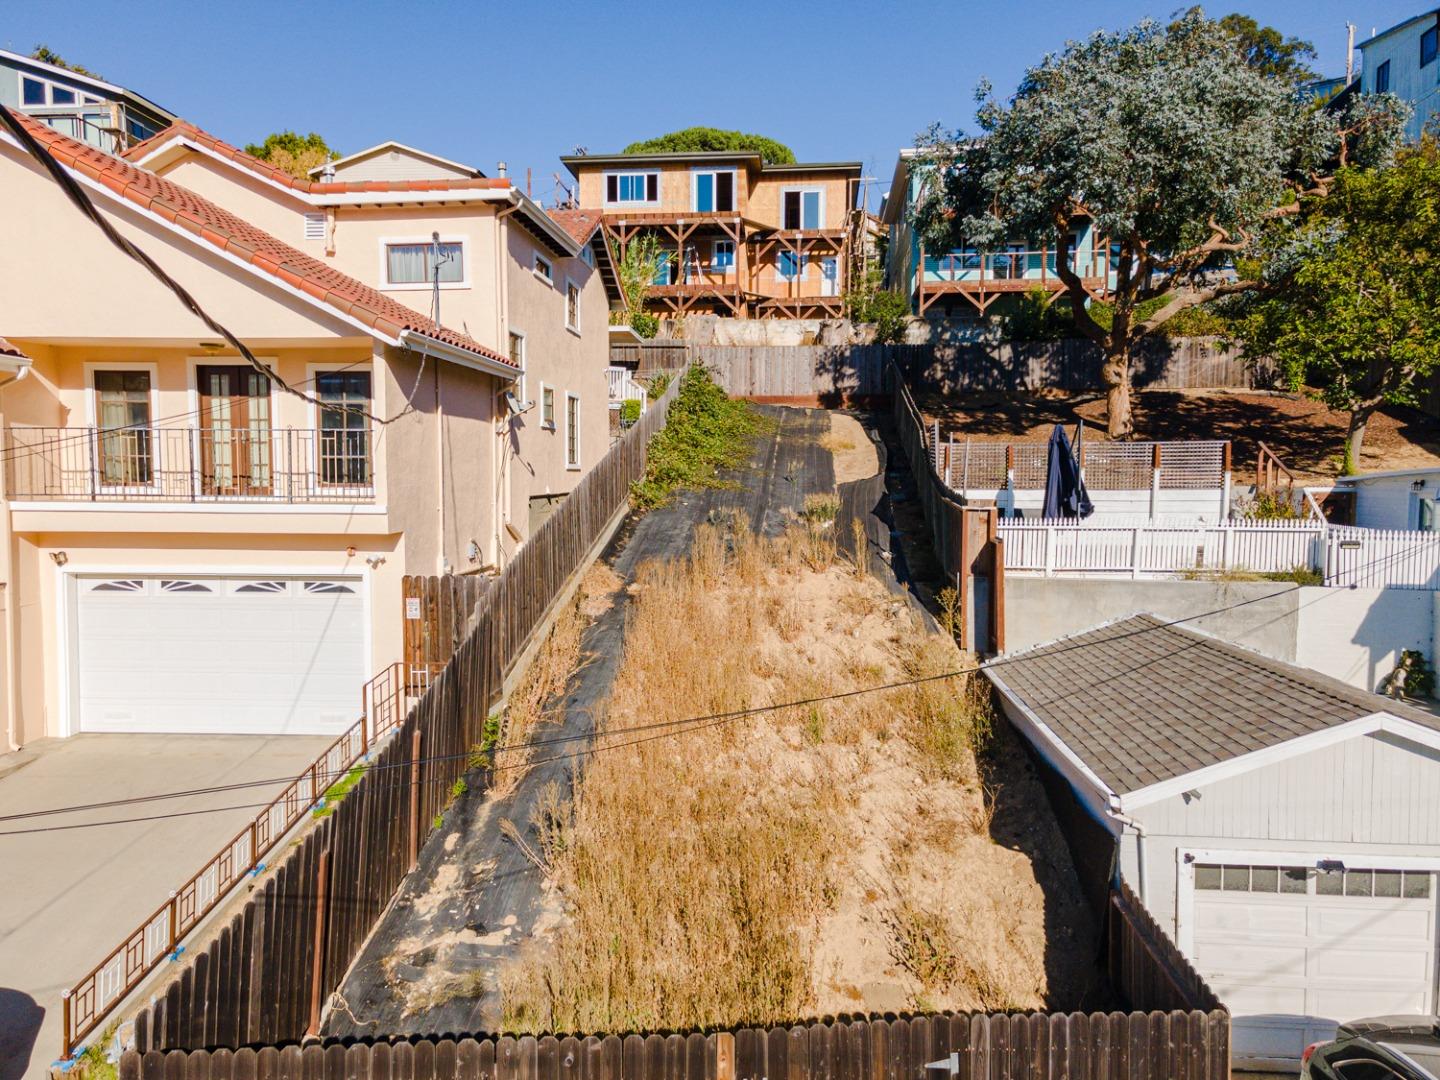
x: 1283, y: 826
x: 1396, y: 498
x: 189, y: 546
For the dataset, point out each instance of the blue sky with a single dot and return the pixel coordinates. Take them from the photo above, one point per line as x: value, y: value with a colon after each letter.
x: 481, y: 82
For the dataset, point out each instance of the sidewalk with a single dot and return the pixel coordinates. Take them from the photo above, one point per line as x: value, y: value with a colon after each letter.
x: 68, y: 895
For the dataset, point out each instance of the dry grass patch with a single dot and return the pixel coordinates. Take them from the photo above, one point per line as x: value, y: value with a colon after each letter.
x: 788, y: 863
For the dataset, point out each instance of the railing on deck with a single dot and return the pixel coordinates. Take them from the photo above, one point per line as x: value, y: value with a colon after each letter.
x: 1071, y: 546
x: 1108, y: 466
x: 386, y: 700
x: 180, y: 464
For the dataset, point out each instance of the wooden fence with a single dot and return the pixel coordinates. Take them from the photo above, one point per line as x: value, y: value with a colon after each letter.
x: 831, y: 375
x: 264, y: 975
x: 1179, y: 1031
x: 437, y: 614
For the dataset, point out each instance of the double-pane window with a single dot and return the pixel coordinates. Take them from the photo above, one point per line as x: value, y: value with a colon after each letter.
x: 344, y: 426
x: 418, y: 264
x: 790, y: 266
x: 122, y: 407
x: 714, y: 192
x: 802, y: 209
x: 637, y: 187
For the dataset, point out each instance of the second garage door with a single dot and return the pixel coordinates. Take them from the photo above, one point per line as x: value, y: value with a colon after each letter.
x: 254, y: 656
x: 1294, y: 950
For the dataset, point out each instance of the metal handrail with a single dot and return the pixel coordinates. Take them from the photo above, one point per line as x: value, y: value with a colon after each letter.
x: 385, y: 701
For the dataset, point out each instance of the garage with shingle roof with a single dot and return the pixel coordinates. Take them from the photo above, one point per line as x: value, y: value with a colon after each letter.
x: 1282, y: 825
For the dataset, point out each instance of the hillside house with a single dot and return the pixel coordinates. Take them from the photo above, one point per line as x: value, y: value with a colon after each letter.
x: 1395, y: 499
x: 741, y: 237
x: 190, y: 547
x: 1403, y: 61
x: 1281, y: 825
x: 84, y: 107
x: 533, y: 286
x: 967, y: 282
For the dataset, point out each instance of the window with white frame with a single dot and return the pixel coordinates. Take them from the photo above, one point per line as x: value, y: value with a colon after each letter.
x: 712, y: 190
x: 572, y: 431
x: 37, y: 91
x: 517, y: 357
x: 632, y: 188
x: 421, y: 262
x: 544, y: 269
x: 722, y: 256
x: 547, y: 406
x: 790, y: 266
x: 572, y: 306
x: 803, y: 208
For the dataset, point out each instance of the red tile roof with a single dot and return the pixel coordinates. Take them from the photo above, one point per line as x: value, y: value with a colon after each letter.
x: 314, y: 187
x: 223, y: 230
x: 6, y: 349
x: 580, y: 224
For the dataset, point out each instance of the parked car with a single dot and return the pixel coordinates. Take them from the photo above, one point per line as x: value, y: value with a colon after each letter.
x: 1381, y: 1048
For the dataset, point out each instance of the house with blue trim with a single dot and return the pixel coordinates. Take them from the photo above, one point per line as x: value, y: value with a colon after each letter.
x: 1405, y: 61
x: 84, y: 107
x: 967, y: 281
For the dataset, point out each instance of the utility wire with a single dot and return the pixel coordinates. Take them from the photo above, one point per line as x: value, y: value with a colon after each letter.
x: 682, y: 725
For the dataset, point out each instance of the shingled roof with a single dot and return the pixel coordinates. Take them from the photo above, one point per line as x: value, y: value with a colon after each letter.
x: 1141, y: 700
x: 219, y: 147
x: 6, y: 349
x: 222, y: 230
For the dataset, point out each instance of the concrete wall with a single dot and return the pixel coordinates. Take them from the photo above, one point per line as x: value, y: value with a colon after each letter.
x: 1353, y: 634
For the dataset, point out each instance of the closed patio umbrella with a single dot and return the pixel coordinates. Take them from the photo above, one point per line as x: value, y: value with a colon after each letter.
x: 1065, y: 494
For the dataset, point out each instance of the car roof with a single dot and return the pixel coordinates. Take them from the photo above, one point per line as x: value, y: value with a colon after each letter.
x: 1424, y: 1030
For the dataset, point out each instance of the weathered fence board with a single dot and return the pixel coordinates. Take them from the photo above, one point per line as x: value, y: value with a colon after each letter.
x: 834, y: 374
x: 1159, y: 1045
x: 274, y: 961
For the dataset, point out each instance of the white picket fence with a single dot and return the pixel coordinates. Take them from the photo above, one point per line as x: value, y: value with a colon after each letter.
x: 1382, y: 558
x: 1149, y: 550
x: 1368, y: 558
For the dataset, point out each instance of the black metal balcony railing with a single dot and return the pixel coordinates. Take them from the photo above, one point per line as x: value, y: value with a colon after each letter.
x: 138, y: 464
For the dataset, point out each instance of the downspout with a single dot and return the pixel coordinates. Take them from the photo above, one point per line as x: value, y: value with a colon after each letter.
x: 12, y: 625
x: 1139, y: 851
x: 440, y: 466
x: 502, y: 328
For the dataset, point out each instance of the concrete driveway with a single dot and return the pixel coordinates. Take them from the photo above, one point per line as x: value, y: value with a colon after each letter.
x: 67, y: 896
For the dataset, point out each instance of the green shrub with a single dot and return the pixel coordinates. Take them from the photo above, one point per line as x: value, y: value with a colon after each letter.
x: 644, y: 323
x: 1201, y: 321
x: 629, y: 411
x: 1299, y: 575
x: 887, y: 311
x: 705, y: 432
x: 659, y: 383
x: 1419, y: 676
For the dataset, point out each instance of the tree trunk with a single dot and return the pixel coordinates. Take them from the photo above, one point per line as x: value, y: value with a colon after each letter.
x: 1355, y: 437
x: 1115, y: 374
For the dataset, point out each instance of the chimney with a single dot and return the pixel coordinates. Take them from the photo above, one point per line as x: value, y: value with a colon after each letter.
x: 501, y: 169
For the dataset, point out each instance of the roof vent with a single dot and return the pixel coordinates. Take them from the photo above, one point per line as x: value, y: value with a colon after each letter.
x: 501, y: 168
x: 315, y: 226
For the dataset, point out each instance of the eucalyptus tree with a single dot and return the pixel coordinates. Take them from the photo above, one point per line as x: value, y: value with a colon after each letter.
x: 1179, y: 152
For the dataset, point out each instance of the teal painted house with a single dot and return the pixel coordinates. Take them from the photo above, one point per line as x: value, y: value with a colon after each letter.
x: 81, y: 106
x: 966, y: 282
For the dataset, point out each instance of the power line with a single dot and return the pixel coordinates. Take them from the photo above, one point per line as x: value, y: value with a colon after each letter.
x: 682, y: 725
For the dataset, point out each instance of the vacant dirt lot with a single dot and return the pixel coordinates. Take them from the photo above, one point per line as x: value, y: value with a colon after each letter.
x: 1306, y: 434
x: 846, y: 855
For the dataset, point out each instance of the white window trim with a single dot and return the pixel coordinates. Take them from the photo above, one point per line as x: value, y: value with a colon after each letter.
x: 802, y: 189
x: 92, y: 417
x: 571, y: 283
x: 50, y: 86
x: 622, y: 203
x: 575, y: 465
x: 548, y: 425
x: 548, y: 279
x: 384, y: 276
x: 734, y: 258
x: 804, y: 258
x: 311, y: 371
x: 695, y: 173
x: 524, y: 364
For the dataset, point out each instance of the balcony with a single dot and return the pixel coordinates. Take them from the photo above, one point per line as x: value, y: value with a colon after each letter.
x: 982, y: 276
x: 189, y: 465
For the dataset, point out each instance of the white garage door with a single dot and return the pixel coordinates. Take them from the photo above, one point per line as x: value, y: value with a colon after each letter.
x: 218, y: 655
x: 1294, y: 951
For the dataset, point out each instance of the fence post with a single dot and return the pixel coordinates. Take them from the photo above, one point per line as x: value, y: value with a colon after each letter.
x: 254, y: 843
x: 1225, y: 533
x: 415, y: 796
x: 317, y: 969
x: 1049, y: 550
x: 1154, y: 480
